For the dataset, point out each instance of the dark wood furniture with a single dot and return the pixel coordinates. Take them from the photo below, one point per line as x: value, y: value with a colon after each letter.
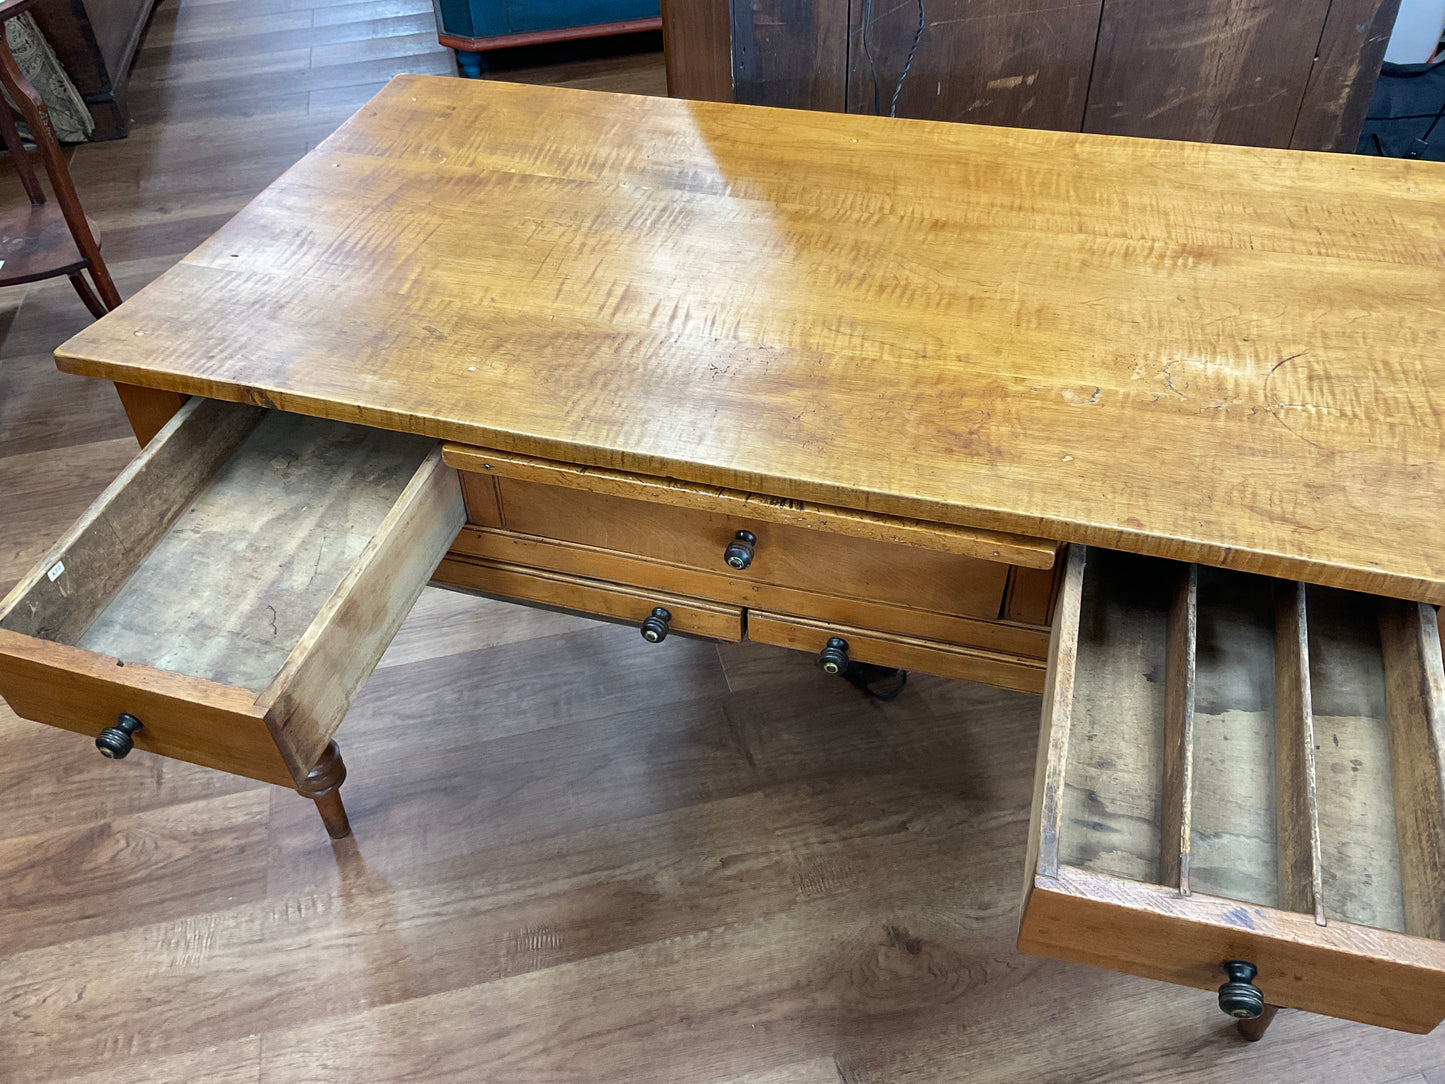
x: 45, y: 239
x: 846, y: 385
x: 96, y: 42
x: 1267, y: 74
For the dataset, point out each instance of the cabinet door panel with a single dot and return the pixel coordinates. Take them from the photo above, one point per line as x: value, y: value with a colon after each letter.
x: 1021, y: 63
x: 1213, y: 71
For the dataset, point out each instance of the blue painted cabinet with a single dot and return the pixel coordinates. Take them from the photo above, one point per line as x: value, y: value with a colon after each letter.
x: 470, y: 26
x: 503, y: 18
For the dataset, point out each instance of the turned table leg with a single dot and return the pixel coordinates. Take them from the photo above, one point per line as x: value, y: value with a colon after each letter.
x: 323, y: 786
x: 1253, y: 1029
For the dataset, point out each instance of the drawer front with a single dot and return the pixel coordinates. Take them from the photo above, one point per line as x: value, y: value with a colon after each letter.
x: 596, y: 564
x: 794, y: 557
x: 689, y: 616
x: 904, y: 652
x: 1238, y: 768
x: 233, y: 588
x: 185, y: 718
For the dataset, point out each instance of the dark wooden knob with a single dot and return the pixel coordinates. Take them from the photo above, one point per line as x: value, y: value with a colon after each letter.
x: 739, y: 554
x: 1239, y: 997
x: 115, y: 741
x: 834, y: 656
x: 655, y: 625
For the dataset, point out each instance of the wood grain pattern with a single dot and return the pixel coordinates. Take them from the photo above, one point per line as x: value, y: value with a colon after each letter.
x: 1234, y: 806
x: 1030, y: 595
x: 598, y: 564
x: 148, y: 410
x: 1176, y: 795
x: 941, y: 537
x: 781, y: 843
x: 309, y: 696
x: 62, y: 594
x: 1114, y: 773
x: 184, y: 717
x: 479, y: 493
x: 1225, y: 71
x: 801, y: 558
x: 1021, y: 63
x: 242, y: 556
x: 697, y: 45
x: 1374, y: 976
x: 1359, y: 834
x: 1415, y: 699
x: 1047, y: 817
x: 1300, y: 864
x: 593, y: 597
x: 1271, y: 420
x: 792, y: 54
x: 229, y: 591
x: 903, y: 652
x: 1337, y: 97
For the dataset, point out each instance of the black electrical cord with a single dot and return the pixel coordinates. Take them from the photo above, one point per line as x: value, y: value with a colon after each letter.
x: 873, y: 64
x: 908, y: 65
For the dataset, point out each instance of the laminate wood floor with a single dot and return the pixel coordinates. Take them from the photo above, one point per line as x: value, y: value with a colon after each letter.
x: 577, y: 857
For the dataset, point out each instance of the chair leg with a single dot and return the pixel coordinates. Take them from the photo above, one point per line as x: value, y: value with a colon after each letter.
x: 323, y: 786
x: 103, y: 282
x: 93, y: 303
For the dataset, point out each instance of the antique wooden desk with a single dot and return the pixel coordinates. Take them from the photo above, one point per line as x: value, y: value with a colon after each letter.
x: 1072, y: 414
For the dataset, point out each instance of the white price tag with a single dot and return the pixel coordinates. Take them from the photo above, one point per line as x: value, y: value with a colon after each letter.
x: 57, y: 568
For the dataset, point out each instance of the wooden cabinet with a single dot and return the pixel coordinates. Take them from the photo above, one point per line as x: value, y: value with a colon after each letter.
x: 1257, y: 72
x: 96, y: 42
x: 1238, y: 768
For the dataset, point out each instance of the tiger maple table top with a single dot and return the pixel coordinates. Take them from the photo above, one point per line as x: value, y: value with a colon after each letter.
x: 1211, y: 353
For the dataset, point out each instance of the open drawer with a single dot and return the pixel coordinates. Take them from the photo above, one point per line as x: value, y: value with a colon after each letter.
x: 1239, y: 768
x: 233, y: 588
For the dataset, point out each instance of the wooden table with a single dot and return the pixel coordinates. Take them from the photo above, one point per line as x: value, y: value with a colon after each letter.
x: 846, y: 385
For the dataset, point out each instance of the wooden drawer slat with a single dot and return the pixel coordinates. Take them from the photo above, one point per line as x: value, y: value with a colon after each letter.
x: 1415, y: 700
x: 1301, y: 868
x: 690, y: 616
x: 590, y: 562
x: 904, y: 652
x: 1176, y: 801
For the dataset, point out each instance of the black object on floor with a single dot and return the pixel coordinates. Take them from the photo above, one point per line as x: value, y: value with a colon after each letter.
x: 1406, y: 111
x: 880, y: 682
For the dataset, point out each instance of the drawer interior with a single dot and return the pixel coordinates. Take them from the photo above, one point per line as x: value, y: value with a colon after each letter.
x: 216, y: 558
x: 1236, y: 736
x: 1234, y: 767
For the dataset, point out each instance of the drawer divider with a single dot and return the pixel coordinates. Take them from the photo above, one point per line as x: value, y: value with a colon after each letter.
x: 1057, y: 712
x: 1179, y: 686
x: 1415, y: 704
x: 1301, y: 871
